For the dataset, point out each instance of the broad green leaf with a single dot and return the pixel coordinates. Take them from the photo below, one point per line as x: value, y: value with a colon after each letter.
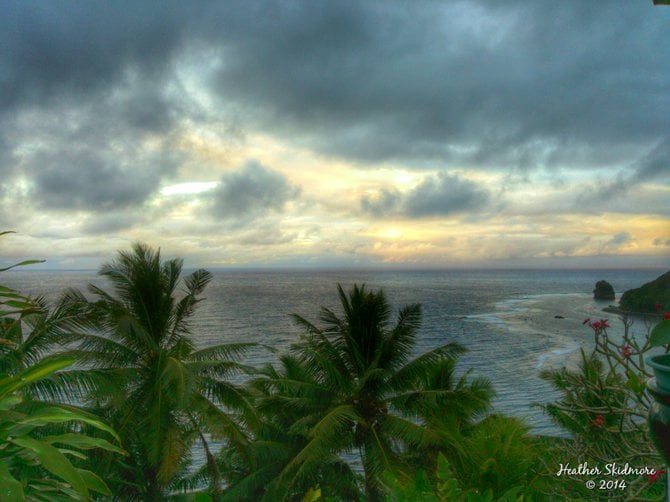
x: 83, y: 442
x: 660, y: 335
x: 9, y: 402
x: 634, y: 383
x: 52, y: 490
x: 54, y: 462
x: 312, y: 495
x: 94, y: 483
x: 11, y: 490
x: 10, y: 293
x: 15, y: 429
x: 54, y: 414
x: 39, y: 370
x: 17, y: 304
x: 202, y: 497
x: 73, y: 453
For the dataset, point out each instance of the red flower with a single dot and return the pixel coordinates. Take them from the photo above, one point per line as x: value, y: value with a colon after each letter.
x: 596, y: 325
x: 604, y: 324
x: 658, y: 306
x: 599, y: 421
x: 657, y: 473
x: 626, y: 351
x: 666, y: 316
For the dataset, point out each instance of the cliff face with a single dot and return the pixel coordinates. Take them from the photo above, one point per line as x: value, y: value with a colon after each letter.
x: 645, y: 298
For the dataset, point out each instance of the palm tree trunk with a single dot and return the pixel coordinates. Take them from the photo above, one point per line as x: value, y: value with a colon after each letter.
x: 213, y: 469
x: 372, y: 491
x: 154, y: 491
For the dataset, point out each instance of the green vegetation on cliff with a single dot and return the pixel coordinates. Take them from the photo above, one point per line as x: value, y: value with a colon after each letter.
x: 649, y: 298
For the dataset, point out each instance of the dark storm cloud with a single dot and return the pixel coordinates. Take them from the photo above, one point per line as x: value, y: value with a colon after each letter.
x: 99, y: 72
x: 445, y: 194
x: 651, y: 166
x: 508, y: 85
x: 438, y: 195
x: 655, y: 164
x: 511, y: 84
x: 252, y: 191
x: 88, y: 181
x: 69, y: 47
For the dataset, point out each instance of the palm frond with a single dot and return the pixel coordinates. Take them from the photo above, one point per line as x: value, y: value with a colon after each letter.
x: 421, y: 367
x: 228, y: 351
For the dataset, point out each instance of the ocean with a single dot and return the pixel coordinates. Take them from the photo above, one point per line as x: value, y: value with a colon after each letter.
x: 493, y: 313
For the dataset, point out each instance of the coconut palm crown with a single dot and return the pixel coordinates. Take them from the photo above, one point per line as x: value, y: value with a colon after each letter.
x: 165, y: 393
x: 360, y: 391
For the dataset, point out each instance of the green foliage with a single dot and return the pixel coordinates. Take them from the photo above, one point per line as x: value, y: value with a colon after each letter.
x: 660, y: 334
x: 498, y: 455
x: 35, y: 463
x: 351, y: 386
x: 645, y: 298
x: 161, y: 393
x: 588, y: 392
x: 281, y: 435
x: 444, y: 488
x: 32, y: 462
x: 604, y: 404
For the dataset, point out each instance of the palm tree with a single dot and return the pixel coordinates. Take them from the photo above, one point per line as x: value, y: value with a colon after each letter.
x: 164, y: 394
x: 359, y: 391
x: 285, y: 398
x: 39, y: 440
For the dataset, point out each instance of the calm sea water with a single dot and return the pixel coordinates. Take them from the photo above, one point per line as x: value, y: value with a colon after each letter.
x: 460, y: 306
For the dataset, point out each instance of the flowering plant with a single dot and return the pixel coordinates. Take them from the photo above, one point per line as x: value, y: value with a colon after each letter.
x: 604, y: 403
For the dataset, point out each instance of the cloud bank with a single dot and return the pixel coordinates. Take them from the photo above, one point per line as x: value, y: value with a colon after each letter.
x: 543, y: 114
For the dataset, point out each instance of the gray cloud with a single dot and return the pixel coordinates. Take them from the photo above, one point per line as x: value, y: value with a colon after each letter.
x: 387, y: 202
x: 438, y: 195
x: 52, y: 49
x: 445, y: 194
x: 620, y: 239
x: 651, y: 166
x: 497, y: 85
x: 85, y: 180
x: 265, y: 235
x: 494, y: 84
x: 112, y: 222
x: 251, y: 191
x: 91, y: 155
x: 480, y: 84
x: 654, y: 164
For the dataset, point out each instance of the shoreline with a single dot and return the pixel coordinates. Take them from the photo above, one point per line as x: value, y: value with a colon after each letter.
x: 560, y: 317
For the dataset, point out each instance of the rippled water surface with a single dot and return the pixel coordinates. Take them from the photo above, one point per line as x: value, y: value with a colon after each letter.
x: 461, y: 306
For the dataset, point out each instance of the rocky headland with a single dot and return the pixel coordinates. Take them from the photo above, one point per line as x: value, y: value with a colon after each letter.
x: 650, y: 298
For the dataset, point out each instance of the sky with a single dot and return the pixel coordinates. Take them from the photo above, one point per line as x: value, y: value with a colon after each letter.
x: 473, y: 133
